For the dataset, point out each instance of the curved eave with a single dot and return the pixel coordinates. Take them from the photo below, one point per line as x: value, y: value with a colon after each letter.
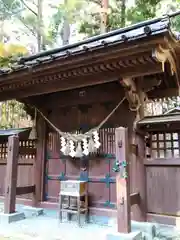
x: 69, y: 61
x: 129, y: 39
x: 159, y: 123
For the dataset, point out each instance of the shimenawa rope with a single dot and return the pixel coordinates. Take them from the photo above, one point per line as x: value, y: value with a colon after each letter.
x: 80, y: 137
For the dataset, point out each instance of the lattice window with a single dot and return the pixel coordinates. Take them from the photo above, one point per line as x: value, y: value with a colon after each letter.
x: 165, y: 145
x: 27, y: 149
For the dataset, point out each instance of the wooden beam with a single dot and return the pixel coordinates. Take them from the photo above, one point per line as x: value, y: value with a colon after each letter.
x: 160, y: 93
x: 83, y: 81
x: 24, y: 150
x: 109, y: 92
x: 159, y: 127
x: 11, y: 174
x: 123, y: 183
x: 25, y: 190
x: 135, y: 198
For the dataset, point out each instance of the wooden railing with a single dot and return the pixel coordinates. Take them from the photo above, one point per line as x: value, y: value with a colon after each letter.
x: 26, y: 161
x: 25, y: 190
x: 14, y: 148
x: 27, y: 150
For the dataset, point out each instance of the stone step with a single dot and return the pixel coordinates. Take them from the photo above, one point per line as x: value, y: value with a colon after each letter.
x: 32, y: 211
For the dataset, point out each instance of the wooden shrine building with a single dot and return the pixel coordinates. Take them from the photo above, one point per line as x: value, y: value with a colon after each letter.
x: 76, y: 87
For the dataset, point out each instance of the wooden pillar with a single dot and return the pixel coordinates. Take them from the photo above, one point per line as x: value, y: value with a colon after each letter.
x: 141, y: 178
x: 139, y: 211
x: 123, y: 181
x: 39, y: 168
x: 11, y: 174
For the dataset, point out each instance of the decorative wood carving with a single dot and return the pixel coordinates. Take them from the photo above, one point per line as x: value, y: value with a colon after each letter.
x: 167, y: 53
x: 130, y: 92
x: 134, y: 93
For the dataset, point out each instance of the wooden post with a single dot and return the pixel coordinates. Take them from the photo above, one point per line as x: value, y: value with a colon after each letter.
x: 11, y: 174
x: 40, y: 160
x: 141, y: 179
x: 140, y: 175
x: 123, y: 181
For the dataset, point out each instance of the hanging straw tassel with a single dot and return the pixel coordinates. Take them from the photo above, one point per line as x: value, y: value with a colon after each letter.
x: 79, y: 152
x: 85, y: 147
x: 33, y: 133
x: 63, y: 144
x: 71, y: 147
x: 96, y: 140
x: 67, y: 149
x: 91, y: 147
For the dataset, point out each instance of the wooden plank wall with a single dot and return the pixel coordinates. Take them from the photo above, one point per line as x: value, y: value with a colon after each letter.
x: 163, y: 174
x: 25, y: 165
x: 97, y: 169
x: 163, y: 192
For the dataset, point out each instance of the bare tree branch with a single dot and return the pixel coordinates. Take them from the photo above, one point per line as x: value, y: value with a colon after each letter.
x: 98, y: 2
x: 30, y: 9
x: 35, y: 3
x: 21, y: 20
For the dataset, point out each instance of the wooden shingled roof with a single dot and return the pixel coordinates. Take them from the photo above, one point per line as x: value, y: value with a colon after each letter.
x: 166, y: 122
x: 131, y: 52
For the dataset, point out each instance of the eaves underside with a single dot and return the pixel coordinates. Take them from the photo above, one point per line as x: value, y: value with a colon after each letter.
x: 93, y: 74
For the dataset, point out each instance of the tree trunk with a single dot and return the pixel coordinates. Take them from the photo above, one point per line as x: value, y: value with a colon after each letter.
x: 104, y: 7
x: 40, y: 36
x: 123, y: 13
x: 1, y: 30
x: 65, y: 31
x: 65, y: 34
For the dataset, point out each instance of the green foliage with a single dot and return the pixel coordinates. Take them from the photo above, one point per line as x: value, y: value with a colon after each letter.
x: 10, y: 114
x: 115, y: 16
x: 90, y: 26
x: 167, y: 7
x: 118, y: 15
x: 175, y: 20
x: 143, y: 10
x: 64, y: 12
x: 9, y: 54
x: 176, y: 23
x: 9, y: 7
x: 53, y: 28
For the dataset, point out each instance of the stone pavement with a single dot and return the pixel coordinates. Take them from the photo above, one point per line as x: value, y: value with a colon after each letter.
x: 46, y: 228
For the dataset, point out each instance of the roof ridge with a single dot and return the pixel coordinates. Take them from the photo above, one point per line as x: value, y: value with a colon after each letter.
x: 100, y: 37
